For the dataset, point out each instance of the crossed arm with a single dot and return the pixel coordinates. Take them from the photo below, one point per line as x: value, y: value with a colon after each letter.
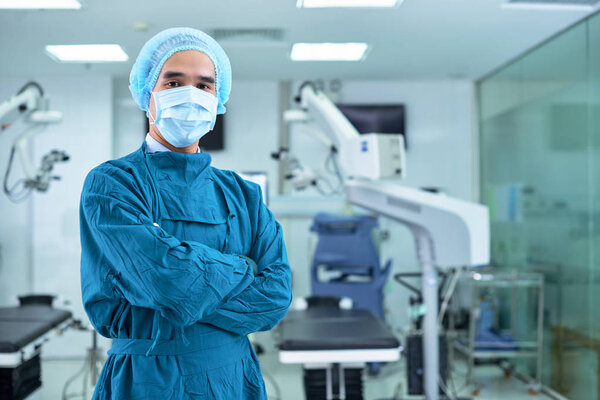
x: 186, y: 281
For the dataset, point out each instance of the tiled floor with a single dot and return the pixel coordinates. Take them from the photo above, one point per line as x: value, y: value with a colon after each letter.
x: 289, y: 381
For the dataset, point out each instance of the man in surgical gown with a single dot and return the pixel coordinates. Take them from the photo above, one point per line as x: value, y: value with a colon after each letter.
x: 180, y: 260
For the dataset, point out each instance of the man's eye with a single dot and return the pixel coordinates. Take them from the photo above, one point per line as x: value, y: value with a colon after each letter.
x: 172, y: 84
x: 203, y: 86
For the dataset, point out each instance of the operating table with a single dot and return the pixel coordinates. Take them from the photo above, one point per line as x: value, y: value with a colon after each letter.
x: 334, y: 344
x: 23, y: 330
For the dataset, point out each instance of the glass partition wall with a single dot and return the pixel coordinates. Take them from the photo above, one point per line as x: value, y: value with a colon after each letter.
x: 540, y: 175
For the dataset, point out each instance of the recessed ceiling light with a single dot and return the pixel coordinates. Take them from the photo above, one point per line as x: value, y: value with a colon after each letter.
x: 87, y: 53
x: 576, y: 5
x: 328, y: 51
x: 347, y: 3
x: 40, y: 4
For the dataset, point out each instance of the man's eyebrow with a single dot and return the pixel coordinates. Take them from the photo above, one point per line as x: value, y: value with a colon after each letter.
x: 208, y: 79
x: 175, y: 74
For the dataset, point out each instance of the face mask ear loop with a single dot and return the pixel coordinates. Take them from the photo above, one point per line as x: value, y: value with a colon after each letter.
x: 150, y: 114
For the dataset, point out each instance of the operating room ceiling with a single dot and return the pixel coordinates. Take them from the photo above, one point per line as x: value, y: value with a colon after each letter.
x: 420, y: 39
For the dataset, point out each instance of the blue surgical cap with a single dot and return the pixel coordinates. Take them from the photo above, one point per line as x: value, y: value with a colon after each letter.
x: 163, y: 45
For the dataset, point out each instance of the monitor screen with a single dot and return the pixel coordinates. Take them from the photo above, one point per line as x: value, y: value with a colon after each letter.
x: 373, y: 118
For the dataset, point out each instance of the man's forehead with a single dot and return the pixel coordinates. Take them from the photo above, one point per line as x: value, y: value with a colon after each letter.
x: 183, y: 61
x: 169, y: 74
x: 190, y: 56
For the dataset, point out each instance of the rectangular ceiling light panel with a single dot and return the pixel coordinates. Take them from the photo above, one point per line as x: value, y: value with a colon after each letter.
x: 39, y: 4
x: 552, y: 4
x: 328, y: 51
x: 347, y: 3
x: 87, y: 53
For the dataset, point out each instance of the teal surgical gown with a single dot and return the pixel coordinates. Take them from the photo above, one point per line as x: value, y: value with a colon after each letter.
x: 165, y: 241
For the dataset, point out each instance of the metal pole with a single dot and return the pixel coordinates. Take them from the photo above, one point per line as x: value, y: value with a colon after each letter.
x: 430, y: 326
x: 285, y: 91
x: 342, y: 380
x: 95, y: 359
x: 472, y: 326
x: 329, y: 382
x: 540, y: 337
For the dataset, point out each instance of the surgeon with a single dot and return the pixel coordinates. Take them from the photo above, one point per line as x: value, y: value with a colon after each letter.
x: 180, y: 260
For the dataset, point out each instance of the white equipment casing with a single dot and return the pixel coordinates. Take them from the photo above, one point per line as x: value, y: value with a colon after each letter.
x: 459, y: 230
x: 19, y: 104
x: 375, y: 156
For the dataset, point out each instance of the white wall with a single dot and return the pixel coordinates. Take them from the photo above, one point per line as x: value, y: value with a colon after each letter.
x: 251, y: 129
x: 15, y: 226
x: 129, y: 122
x: 42, y: 234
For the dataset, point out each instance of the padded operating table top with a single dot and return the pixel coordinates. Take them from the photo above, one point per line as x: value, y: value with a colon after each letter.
x: 22, y: 325
x: 331, y: 328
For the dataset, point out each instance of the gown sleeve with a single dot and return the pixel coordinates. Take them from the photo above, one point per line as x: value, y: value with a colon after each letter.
x: 261, y: 305
x: 150, y: 268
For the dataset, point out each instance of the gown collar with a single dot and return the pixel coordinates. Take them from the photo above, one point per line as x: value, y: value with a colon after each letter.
x: 177, y: 167
x: 154, y: 146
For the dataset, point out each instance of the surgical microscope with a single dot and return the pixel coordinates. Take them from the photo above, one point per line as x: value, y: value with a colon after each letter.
x: 30, y: 105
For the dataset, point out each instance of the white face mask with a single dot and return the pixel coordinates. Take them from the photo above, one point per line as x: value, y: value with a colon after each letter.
x: 184, y: 114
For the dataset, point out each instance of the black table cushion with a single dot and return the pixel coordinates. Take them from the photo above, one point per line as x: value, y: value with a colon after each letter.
x: 330, y: 328
x: 22, y: 325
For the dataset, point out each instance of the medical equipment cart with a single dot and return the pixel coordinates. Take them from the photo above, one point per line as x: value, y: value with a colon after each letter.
x: 497, y: 344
